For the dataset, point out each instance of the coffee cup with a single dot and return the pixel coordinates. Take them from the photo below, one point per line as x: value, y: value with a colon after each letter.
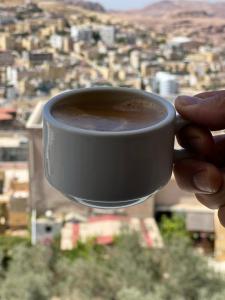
x: 115, y: 166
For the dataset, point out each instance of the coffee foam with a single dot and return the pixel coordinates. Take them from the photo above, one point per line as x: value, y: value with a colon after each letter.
x: 112, y: 115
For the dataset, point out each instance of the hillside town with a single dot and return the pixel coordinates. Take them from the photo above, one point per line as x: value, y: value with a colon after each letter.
x: 47, y: 47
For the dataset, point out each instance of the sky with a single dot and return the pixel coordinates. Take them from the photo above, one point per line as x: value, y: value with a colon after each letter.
x: 130, y: 4
x: 124, y: 4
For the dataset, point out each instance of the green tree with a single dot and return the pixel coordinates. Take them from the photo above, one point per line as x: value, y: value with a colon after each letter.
x: 173, y: 227
x: 123, y: 271
x: 129, y: 271
x: 29, y: 276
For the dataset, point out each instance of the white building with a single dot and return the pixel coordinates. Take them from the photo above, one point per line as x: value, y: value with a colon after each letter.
x: 107, y: 34
x: 135, y: 59
x: 12, y: 75
x: 166, y: 84
x: 6, y: 18
x: 179, y: 41
x: 56, y: 41
x: 81, y: 33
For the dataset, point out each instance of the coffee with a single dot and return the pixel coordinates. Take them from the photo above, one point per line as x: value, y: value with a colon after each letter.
x: 109, y: 114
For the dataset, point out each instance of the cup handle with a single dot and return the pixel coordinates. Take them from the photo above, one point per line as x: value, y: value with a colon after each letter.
x: 181, y: 153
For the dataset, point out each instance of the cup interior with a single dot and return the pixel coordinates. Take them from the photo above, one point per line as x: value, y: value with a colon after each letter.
x: 110, y: 105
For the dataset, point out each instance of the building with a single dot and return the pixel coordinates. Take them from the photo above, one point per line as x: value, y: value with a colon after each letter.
x: 9, y: 121
x: 107, y: 34
x: 79, y: 33
x: 105, y: 228
x: 67, y: 44
x: 135, y: 59
x: 39, y: 58
x: 199, y: 220
x: 6, y: 60
x: 13, y: 147
x: 56, y: 41
x: 6, y: 42
x: 30, y: 43
x: 12, y: 75
x: 47, y: 230
x: 14, y: 193
x: 6, y: 18
x: 165, y: 84
x: 184, y: 44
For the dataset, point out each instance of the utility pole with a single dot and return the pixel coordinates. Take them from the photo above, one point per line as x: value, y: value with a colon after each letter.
x: 33, y: 227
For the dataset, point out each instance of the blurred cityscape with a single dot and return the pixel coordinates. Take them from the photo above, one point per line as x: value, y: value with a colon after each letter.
x: 50, y: 46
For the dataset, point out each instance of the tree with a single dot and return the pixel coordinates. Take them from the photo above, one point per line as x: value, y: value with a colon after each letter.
x: 124, y: 271
x: 129, y: 271
x: 173, y: 227
x: 28, y: 276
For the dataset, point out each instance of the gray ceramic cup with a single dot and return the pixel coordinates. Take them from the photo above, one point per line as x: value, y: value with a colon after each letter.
x: 109, y: 169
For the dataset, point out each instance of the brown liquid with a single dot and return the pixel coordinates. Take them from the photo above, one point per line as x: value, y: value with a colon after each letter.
x: 110, y: 115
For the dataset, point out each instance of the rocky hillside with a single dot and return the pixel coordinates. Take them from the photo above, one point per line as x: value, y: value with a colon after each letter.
x: 200, y: 20
x: 185, y: 8
x: 89, y: 5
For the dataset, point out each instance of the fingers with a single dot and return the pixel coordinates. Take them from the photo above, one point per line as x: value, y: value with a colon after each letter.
x: 202, y: 110
x: 221, y: 215
x: 219, y: 152
x: 214, y: 201
x: 206, y: 95
x: 198, y: 140
x: 204, y: 179
x: 198, y: 176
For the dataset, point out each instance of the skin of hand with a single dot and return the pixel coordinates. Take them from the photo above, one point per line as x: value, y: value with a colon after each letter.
x: 205, y: 174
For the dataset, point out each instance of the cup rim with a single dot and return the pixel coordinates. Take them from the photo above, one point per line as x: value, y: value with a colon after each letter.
x: 47, y: 115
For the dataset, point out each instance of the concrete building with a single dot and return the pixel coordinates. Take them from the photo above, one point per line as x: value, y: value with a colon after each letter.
x: 38, y: 58
x: 79, y: 33
x: 67, y: 44
x: 14, y: 195
x: 165, y: 84
x: 30, y: 43
x: 135, y: 59
x: 202, y: 222
x: 6, y: 18
x: 107, y: 34
x: 105, y: 228
x: 13, y: 147
x: 6, y: 42
x: 12, y: 75
x: 56, y: 41
x: 46, y: 230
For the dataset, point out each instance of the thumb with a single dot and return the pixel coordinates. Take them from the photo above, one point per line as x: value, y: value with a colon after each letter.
x: 208, y: 112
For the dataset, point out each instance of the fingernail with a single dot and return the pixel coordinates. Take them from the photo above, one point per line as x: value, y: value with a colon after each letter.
x: 186, y: 100
x: 204, y: 183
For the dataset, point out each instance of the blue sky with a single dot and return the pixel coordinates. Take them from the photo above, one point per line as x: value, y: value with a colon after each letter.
x: 123, y: 4
x: 131, y: 4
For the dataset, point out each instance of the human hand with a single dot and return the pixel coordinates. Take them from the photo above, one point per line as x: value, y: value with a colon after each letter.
x: 204, y: 176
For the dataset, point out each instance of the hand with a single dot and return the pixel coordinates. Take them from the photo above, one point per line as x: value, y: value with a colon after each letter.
x: 204, y: 176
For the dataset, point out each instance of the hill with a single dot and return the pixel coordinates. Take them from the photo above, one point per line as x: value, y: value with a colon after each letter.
x: 185, y: 8
x: 89, y: 5
x: 200, y: 20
